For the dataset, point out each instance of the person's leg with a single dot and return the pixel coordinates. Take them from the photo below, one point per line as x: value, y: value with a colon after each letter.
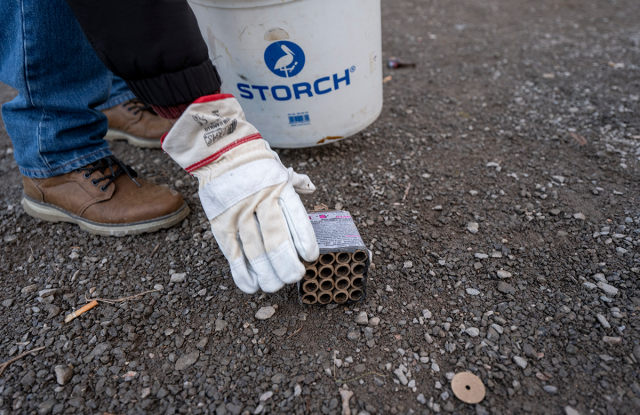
x: 68, y: 171
x: 130, y: 119
x: 119, y: 94
x: 53, y: 123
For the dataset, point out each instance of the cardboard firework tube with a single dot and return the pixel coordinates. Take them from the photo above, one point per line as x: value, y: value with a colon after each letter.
x: 340, y: 296
x: 357, y: 268
x: 341, y: 270
x: 309, y: 298
x: 342, y: 283
x: 355, y: 294
x: 327, y: 259
x: 310, y: 264
x: 310, y: 286
x: 359, y: 256
x: 343, y: 257
x: 310, y: 272
x: 324, y: 297
x: 326, y: 284
x: 356, y: 281
x: 326, y: 271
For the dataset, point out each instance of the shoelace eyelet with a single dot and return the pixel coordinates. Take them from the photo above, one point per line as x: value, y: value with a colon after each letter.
x: 94, y: 182
x: 87, y: 175
x: 103, y: 188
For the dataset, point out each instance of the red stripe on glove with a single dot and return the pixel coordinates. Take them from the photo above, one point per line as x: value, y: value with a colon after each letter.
x: 219, y: 153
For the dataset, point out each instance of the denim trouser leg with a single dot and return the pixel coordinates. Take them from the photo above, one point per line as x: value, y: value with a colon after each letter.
x: 120, y: 93
x: 45, y: 56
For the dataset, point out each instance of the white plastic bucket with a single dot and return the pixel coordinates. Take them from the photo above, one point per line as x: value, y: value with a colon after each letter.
x: 306, y: 72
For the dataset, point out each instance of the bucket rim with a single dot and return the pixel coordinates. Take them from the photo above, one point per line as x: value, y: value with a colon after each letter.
x: 239, y: 4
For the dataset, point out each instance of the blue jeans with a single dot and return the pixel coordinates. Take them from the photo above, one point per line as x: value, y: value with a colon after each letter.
x: 54, y: 122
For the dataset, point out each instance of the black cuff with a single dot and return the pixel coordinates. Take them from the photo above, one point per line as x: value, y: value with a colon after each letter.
x: 183, y: 87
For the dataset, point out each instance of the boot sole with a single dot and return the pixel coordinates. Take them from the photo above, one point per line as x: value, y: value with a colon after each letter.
x: 54, y: 214
x: 116, y: 135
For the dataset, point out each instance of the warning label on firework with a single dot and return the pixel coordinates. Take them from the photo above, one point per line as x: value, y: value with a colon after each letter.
x: 336, y: 230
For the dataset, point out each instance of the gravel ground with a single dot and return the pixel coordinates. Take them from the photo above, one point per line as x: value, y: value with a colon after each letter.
x: 498, y: 192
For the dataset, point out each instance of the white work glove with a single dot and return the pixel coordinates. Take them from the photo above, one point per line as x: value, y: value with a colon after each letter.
x: 248, y: 195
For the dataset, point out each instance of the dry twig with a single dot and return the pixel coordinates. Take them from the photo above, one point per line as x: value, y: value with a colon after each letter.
x: 6, y: 364
x: 80, y: 311
x: 154, y: 250
x: 580, y: 139
x: 406, y: 192
x: 294, y: 333
x: 119, y: 300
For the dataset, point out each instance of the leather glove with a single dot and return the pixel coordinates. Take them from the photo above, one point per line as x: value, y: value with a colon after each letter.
x: 248, y: 195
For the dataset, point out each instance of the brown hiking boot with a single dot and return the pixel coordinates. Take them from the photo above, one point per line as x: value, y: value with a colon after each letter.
x: 104, y: 198
x: 137, y: 123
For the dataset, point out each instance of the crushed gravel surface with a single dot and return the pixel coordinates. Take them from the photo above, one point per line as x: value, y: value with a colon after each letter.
x: 513, y: 255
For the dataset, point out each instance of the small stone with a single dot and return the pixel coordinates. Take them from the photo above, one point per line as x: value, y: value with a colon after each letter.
x: 550, y: 389
x: 45, y: 407
x: 504, y: 274
x: 603, y: 321
x: 612, y: 341
x: 158, y: 287
x: 579, y: 216
x: 420, y: 398
x: 599, y: 277
x: 473, y: 227
x: 559, y: 179
x: 258, y: 410
x: 388, y: 289
x: 265, y: 396
x: 265, y: 313
x: 555, y: 212
x: 522, y: 362
x: 426, y: 314
x: 401, y: 377
x: 589, y: 285
x: 481, y: 256
x: 407, y: 264
x: 498, y: 328
x: 221, y: 324
x: 374, y: 322
x: 64, y: 373
x: 53, y: 311
x: 435, y: 367
x: 609, y: 290
x: 353, y: 335
x: 529, y: 351
x: 145, y: 392
x: 47, y: 293
x: 412, y: 383
x: 178, y: 278
x: 428, y: 338
x: 186, y: 361
x: 472, y: 331
x: 202, y: 343
x: 362, y: 318
x: 280, y: 332
x: 505, y: 288
x: 360, y: 368
x: 621, y: 250
x: 570, y: 411
x: 278, y: 378
x: 29, y: 289
x: 8, y: 302
x: 297, y: 391
x: 472, y: 291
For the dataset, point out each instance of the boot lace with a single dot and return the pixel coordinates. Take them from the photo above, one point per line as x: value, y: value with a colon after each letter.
x: 111, y: 163
x: 136, y: 106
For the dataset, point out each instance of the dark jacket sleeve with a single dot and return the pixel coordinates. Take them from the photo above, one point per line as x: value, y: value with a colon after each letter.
x: 154, y: 45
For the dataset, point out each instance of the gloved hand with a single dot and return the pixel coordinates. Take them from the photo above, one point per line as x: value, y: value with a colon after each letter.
x: 248, y: 195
